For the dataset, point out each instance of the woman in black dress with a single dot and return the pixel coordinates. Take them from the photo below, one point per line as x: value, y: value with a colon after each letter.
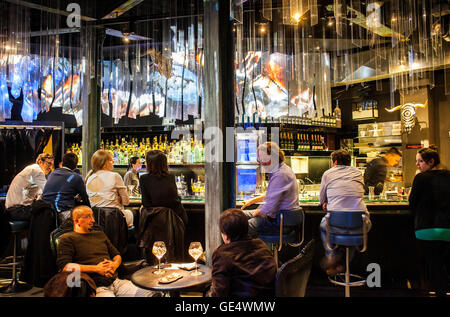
x: 158, y: 187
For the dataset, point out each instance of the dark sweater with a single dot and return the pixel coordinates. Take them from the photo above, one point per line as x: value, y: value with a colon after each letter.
x: 430, y: 199
x: 86, y: 249
x: 161, y: 192
x: 375, y: 175
x: 61, y: 188
x: 244, y: 268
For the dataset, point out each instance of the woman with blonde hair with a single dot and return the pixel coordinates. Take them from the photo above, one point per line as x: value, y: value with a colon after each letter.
x: 106, y: 188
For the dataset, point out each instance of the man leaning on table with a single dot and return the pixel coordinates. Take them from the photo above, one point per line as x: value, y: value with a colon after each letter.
x: 91, y: 252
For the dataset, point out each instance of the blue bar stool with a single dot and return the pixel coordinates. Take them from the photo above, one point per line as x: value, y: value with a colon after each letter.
x: 346, y: 220
x: 292, y: 218
x: 15, y: 286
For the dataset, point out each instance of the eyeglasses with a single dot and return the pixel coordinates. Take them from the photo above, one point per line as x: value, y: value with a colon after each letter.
x: 49, y: 163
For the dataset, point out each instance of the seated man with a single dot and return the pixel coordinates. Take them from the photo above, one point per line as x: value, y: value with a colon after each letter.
x: 65, y: 188
x: 91, y: 252
x: 242, y: 266
x: 281, y: 193
x: 27, y: 186
x: 341, y: 189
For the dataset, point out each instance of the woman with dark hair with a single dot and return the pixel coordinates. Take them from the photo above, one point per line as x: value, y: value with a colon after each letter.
x: 131, y: 177
x: 242, y: 266
x: 158, y: 187
x: 430, y: 203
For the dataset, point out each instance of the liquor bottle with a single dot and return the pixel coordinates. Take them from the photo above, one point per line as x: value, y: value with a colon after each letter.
x: 337, y: 115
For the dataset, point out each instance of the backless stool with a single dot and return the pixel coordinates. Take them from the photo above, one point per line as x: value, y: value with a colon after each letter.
x: 15, y: 286
x: 346, y: 221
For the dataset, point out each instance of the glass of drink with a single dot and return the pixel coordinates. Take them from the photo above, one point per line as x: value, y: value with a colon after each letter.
x: 371, y: 193
x: 159, y: 249
x: 195, y: 250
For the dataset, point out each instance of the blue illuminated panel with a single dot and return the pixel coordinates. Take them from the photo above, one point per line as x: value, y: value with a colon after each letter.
x: 246, y: 150
x: 246, y: 179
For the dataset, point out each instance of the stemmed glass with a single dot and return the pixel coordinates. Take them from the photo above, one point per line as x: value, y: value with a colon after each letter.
x: 131, y: 190
x: 195, y: 250
x: 159, y: 249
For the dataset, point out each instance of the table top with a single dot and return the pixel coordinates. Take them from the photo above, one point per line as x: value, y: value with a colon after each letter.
x: 144, y: 278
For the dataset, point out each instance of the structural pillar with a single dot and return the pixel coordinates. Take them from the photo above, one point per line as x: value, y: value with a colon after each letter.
x: 218, y: 83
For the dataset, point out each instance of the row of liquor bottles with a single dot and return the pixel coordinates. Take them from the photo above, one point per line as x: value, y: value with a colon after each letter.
x: 293, y: 141
x: 330, y: 120
x: 178, y: 152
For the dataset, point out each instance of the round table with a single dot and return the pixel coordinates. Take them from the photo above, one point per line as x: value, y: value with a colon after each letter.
x: 144, y: 278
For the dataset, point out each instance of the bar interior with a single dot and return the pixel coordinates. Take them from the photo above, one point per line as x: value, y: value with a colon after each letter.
x: 203, y: 86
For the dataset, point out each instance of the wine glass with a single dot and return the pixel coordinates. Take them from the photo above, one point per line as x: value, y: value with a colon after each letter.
x: 195, y: 250
x: 159, y: 249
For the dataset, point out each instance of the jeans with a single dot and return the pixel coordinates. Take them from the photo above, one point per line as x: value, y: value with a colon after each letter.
x: 123, y: 288
x: 323, y: 235
x: 264, y: 225
x: 19, y: 213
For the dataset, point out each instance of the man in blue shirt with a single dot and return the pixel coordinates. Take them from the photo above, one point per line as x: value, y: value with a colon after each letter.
x: 281, y: 193
x: 65, y: 188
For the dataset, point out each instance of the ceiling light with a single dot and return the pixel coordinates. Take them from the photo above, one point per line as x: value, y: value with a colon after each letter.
x: 296, y: 17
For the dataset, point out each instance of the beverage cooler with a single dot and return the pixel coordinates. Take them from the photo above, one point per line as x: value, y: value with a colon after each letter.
x: 247, y: 168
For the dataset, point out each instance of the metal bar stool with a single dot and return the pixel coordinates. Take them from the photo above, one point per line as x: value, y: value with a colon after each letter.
x: 15, y: 286
x: 290, y: 218
x: 346, y: 220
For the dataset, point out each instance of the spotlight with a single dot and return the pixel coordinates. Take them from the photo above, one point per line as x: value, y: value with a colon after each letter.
x: 330, y: 21
x: 296, y: 17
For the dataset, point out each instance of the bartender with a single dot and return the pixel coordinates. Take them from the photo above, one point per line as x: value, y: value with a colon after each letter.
x: 281, y: 193
x: 376, y: 170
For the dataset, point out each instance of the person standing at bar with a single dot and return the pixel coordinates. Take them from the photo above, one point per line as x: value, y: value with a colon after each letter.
x: 341, y: 189
x: 131, y: 177
x: 281, y: 193
x: 430, y: 204
x: 27, y: 186
x: 376, y: 171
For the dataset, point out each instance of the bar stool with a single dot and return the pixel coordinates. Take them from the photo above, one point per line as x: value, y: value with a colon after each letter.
x: 346, y: 221
x: 15, y: 286
x: 290, y: 218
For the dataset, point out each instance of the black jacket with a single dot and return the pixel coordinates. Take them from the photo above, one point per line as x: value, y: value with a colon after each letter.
x: 161, y: 224
x: 430, y: 199
x: 40, y: 264
x: 114, y: 225
x: 244, y: 268
x: 161, y: 192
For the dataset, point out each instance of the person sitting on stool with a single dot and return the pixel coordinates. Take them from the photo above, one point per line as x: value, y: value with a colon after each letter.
x: 341, y: 189
x: 27, y: 186
x: 281, y: 193
x: 65, y: 188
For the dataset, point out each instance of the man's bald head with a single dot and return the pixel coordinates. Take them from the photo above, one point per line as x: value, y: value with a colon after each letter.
x: 83, y: 219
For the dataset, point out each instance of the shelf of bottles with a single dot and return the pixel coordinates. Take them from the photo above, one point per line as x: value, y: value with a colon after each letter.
x: 302, y: 141
x: 255, y: 120
x: 179, y: 152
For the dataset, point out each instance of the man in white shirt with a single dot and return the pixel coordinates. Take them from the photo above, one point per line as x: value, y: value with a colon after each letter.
x: 27, y: 186
x: 341, y: 189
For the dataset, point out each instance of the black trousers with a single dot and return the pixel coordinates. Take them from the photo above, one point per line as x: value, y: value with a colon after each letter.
x: 433, y: 261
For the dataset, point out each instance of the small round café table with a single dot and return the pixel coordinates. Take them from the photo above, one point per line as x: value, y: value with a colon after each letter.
x: 146, y: 279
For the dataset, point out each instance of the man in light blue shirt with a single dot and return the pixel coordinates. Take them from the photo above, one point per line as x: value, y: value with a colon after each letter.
x: 341, y: 189
x: 281, y: 193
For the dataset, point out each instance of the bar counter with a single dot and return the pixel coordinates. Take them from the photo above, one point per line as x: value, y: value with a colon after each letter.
x: 391, y: 241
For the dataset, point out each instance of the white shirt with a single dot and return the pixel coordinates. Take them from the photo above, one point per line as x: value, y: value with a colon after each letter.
x: 26, y: 186
x: 342, y: 188
x: 103, y: 188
